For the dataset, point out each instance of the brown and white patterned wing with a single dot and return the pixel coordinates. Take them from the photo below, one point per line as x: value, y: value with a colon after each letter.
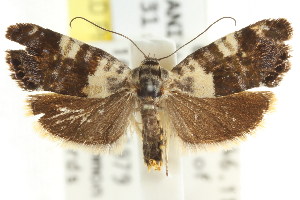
x: 254, y: 56
x: 91, y: 122
x: 58, y: 63
x: 202, y: 121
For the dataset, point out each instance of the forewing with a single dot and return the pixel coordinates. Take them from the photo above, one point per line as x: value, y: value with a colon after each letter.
x: 200, y: 121
x: 254, y: 56
x: 58, y: 63
x: 93, y: 122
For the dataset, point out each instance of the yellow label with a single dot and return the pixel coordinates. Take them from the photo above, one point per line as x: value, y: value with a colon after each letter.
x: 97, y: 11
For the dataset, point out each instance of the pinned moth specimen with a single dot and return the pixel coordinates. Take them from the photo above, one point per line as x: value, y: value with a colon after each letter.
x: 201, y: 101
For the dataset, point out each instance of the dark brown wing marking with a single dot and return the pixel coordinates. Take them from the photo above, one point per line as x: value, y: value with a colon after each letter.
x: 57, y: 63
x: 199, y: 121
x: 254, y: 56
x: 91, y: 122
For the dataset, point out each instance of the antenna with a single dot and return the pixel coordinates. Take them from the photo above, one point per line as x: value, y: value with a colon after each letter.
x: 137, y: 45
x: 198, y: 36
x: 110, y: 32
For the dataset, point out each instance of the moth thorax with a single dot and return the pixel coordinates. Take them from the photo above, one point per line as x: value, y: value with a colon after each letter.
x: 150, y: 79
x: 149, y: 87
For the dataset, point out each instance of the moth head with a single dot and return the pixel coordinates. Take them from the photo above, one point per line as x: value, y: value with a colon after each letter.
x: 150, y: 62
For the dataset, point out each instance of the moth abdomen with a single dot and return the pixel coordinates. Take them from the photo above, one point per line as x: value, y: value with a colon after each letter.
x: 152, y: 134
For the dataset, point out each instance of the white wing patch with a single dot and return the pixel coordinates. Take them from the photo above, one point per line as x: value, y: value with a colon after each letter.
x: 33, y: 31
x: 203, y: 82
x: 98, y: 83
x: 69, y: 48
x: 200, y: 83
x: 229, y: 46
x: 72, y: 117
x: 260, y: 29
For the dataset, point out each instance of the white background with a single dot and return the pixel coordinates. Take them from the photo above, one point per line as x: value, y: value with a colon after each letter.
x: 269, y: 161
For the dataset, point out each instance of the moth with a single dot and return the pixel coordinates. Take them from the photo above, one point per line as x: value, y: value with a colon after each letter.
x: 202, y: 101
